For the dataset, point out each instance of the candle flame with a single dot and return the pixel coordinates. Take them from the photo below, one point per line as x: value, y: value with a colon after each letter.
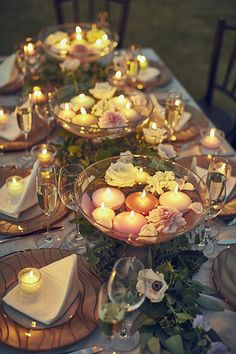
x: 82, y: 95
x: 121, y: 98
x: 176, y: 188
x: 78, y: 36
x: 63, y: 41
x: 132, y: 214
x: 44, y: 152
x: 67, y: 106
x: 212, y: 132
x: 128, y: 105
x: 118, y: 74
x: 78, y: 29
x: 141, y: 58
x: 143, y: 195
x: 14, y: 180
x: 105, y: 37
x: 108, y: 191
x: 154, y: 125
x: 31, y: 273
x: 83, y: 110
x: 102, y: 205
x: 98, y: 41
x: 1, y: 112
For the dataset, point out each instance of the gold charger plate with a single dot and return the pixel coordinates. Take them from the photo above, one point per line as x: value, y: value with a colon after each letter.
x: 224, y: 274
x: 229, y: 209
x: 78, y: 327
x: 25, y: 225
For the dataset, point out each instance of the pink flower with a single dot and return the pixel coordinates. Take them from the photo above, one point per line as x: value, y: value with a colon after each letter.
x: 166, y: 151
x: 111, y: 119
x: 166, y: 219
x: 80, y: 50
x: 70, y: 65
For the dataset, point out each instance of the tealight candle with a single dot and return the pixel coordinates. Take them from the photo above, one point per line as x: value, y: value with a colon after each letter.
x: 120, y: 101
x: 129, y: 223
x: 85, y: 119
x: 66, y: 113
x: 175, y: 199
x: 141, y: 202
x: 44, y: 156
x: 4, y: 116
x: 82, y: 101
x: 30, y: 51
x: 15, y: 186
x: 141, y: 176
x: 29, y: 281
x: 104, y: 215
x: 37, y: 96
x: 112, y: 197
x: 131, y: 114
x: 211, y: 141
x: 143, y: 63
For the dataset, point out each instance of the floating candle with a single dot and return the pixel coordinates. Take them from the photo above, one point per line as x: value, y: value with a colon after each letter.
x: 141, y: 202
x: 66, y: 113
x: 174, y: 199
x: 141, y: 176
x: 29, y: 281
x: 211, y: 141
x: 37, y: 96
x: 120, y: 101
x: 129, y: 223
x: 44, y: 156
x: 15, y: 186
x: 84, y: 119
x: 82, y: 100
x: 143, y: 63
x: 118, y: 75
x: 131, y: 114
x: 4, y: 116
x: 113, y: 198
x: 104, y: 215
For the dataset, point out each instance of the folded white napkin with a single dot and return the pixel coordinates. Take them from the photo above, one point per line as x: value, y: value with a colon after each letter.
x: 59, y: 288
x: 8, y: 71
x: 149, y: 74
x: 27, y: 200
x: 11, y: 130
x: 183, y: 120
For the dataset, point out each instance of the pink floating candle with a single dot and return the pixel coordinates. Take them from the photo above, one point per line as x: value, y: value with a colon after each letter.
x: 104, y: 215
x: 129, y: 223
x: 174, y: 199
x: 211, y: 141
x: 141, y: 202
x: 113, y: 198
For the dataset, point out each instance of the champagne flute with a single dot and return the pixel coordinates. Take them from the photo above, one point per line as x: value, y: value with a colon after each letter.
x: 122, y: 290
x: 46, y: 188
x: 174, y: 108
x: 68, y: 176
x: 43, y: 111
x: 24, y: 117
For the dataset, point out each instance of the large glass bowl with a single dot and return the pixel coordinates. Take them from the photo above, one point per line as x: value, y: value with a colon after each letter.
x: 95, y: 132
x: 86, y: 51
x: 92, y: 178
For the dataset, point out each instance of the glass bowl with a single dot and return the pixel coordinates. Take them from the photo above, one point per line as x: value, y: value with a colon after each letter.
x: 60, y: 42
x: 93, y: 131
x: 92, y: 179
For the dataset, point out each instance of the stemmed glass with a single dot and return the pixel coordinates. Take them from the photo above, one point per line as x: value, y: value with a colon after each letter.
x: 44, y: 113
x: 46, y: 188
x: 122, y: 290
x: 68, y: 176
x: 24, y: 115
x: 174, y: 108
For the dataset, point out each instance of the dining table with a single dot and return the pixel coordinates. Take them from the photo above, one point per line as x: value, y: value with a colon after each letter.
x: 224, y: 322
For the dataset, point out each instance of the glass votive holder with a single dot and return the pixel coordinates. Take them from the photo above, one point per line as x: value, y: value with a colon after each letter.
x: 4, y: 117
x: 44, y: 153
x: 38, y: 96
x: 15, y: 188
x: 211, y: 139
x: 29, y: 280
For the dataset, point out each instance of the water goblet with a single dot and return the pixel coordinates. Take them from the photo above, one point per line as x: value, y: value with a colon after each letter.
x: 68, y: 176
x: 122, y: 290
x: 46, y: 188
x: 174, y: 107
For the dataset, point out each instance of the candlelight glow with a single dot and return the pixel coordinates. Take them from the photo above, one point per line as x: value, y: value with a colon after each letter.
x: 98, y: 41
x: 176, y: 188
x: 63, y: 42
x: 78, y: 29
x: 212, y: 132
x: 143, y: 195
x: 83, y: 110
x: 13, y: 180
x: 105, y: 37
x: 78, y: 36
x: 141, y: 58
x: 118, y: 74
x: 108, y: 191
x: 128, y: 105
x: 44, y: 152
x: 132, y: 214
x: 31, y: 274
x: 121, y: 98
x: 154, y: 125
x: 82, y: 95
x: 67, y: 106
x: 1, y: 112
x: 102, y: 205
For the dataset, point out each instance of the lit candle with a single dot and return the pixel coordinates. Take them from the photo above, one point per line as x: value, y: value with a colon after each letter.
x: 4, y: 116
x: 37, y: 97
x: 113, y: 198
x: 120, y: 101
x: 66, y: 113
x: 29, y: 281
x: 174, y: 199
x: 15, y: 186
x: 84, y: 119
x: 129, y: 223
x: 143, y: 63
x: 82, y: 101
x: 118, y: 75
x: 141, y: 176
x: 211, y: 141
x: 141, y: 202
x: 44, y: 156
x: 131, y: 114
x: 30, y: 52
x: 104, y: 215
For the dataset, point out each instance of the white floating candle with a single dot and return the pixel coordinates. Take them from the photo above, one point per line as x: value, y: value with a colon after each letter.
x: 120, y: 102
x: 67, y: 113
x: 174, y: 199
x: 84, y: 119
x: 131, y: 114
x: 141, y: 202
x: 112, y: 197
x: 104, y: 215
x: 82, y: 100
x: 141, y: 176
x: 129, y: 223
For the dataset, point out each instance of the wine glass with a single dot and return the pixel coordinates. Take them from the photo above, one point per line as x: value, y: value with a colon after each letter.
x: 24, y: 115
x: 68, y: 176
x: 46, y: 188
x: 110, y: 314
x: 174, y: 108
x: 122, y: 290
x: 44, y: 113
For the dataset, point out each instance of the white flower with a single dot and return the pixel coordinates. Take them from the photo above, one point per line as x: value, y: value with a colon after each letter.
x: 154, y: 136
x: 70, y: 65
x: 121, y: 174
x: 102, y: 106
x: 111, y: 119
x: 151, y: 284
x: 201, y: 322
x: 166, y: 151
x: 56, y: 37
x: 218, y: 348
x: 166, y: 219
x: 103, y: 90
x: 126, y: 157
x: 160, y: 181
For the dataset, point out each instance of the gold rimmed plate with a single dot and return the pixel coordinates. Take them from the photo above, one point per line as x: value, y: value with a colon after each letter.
x: 31, y: 220
x: 73, y: 328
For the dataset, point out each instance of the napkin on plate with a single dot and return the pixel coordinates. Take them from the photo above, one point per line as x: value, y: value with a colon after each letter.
x: 27, y: 200
x: 59, y: 288
x: 148, y: 74
x: 11, y: 130
x: 8, y: 71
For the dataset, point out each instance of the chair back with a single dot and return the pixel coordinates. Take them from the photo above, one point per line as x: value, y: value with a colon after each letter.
x: 92, y: 5
x: 227, y: 85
